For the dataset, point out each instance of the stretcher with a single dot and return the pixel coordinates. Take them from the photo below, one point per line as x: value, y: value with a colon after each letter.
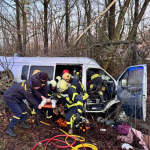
x: 48, y: 106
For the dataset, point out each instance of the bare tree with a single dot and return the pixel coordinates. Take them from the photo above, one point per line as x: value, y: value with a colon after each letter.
x: 19, y: 45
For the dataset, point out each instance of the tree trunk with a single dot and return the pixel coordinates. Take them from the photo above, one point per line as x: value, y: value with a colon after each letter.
x: 136, y: 20
x: 120, y: 20
x: 87, y: 7
x: 67, y: 21
x: 111, y: 21
x: 104, y: 25
x: 136, y: 23
x: 24, y: 30
x: 46, y: 2
x: 19, y: 45
x: 36, y: 44
x: 117, y: 32
x: 89, y: 16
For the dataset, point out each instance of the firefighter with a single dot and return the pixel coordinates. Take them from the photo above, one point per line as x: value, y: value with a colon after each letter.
x: 51, y: 91
x: 14, y: 96
x: 78, y: 74
x: 64, y: 71
x: 74, y: 103
x: 77, y: 85
x: 95, y: 83
x: 41, y: 93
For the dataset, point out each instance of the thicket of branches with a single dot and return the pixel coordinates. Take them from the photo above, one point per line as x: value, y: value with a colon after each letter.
x: 50, y: 28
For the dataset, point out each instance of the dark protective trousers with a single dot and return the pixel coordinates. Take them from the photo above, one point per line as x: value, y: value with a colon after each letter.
x: 70, y: 116
x: 20, y: 112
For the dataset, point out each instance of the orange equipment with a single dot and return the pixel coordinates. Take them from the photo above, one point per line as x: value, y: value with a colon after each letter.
x: 62, y: 122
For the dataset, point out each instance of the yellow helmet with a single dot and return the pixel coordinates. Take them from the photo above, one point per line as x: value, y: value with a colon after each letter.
x: 53, y: 83
x: 58, y: 78
x: 62, y: 86
x: 66, y: 76
x: 36, y: 71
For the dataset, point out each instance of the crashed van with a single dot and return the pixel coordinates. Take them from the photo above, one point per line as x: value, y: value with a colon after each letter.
x: 129, y: 91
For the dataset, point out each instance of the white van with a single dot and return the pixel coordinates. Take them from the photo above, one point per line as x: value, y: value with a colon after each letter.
x: 130, y: 90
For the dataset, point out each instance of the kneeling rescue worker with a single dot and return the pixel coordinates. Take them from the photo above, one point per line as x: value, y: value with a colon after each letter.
x: 14, y: 96
x: 73, y: 102
x: 77, y: 85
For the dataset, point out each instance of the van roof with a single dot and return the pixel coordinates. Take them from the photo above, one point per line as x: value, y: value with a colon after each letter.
x: 79, y: 60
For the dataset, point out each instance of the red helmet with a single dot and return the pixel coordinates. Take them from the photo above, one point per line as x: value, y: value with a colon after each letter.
x: 65, y: 71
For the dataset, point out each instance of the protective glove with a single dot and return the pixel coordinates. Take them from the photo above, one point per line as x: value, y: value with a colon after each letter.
x: 43, y: 102
x: 53, y: 103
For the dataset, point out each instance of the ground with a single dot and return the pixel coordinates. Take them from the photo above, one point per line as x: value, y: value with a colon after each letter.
x: 28, y: 138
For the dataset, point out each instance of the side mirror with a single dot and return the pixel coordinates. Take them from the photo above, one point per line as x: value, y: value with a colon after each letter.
x: 124, y: 82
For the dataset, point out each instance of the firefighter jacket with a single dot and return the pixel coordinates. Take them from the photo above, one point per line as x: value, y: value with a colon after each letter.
x: 42, y: 91
x: 77, y: 85
x: 71, y: 98
x: 94, y: 78
x: 51, y: 91
x: 20, y: 91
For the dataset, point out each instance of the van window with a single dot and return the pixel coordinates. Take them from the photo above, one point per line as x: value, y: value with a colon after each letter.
x: 74, y: 70
x: 24, y: 72
x: 132, y: 76
x: 47, y: 69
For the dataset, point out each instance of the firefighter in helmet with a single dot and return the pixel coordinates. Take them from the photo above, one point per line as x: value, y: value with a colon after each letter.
x: 74, y: 103
x: 95, y: 83
x: 77, y: 85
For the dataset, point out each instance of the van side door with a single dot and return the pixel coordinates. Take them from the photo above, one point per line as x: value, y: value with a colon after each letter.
x: 132, y: 91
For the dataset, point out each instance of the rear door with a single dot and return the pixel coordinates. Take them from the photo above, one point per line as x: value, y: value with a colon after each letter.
x: 132, y: 91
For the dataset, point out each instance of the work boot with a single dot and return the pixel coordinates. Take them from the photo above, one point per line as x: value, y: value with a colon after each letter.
x: 11, y: 132
x: 70, y: 131
x: 38, y: 120
x: 24, y: 125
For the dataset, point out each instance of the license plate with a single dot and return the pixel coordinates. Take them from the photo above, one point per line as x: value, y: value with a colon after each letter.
x: 94, y: 108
